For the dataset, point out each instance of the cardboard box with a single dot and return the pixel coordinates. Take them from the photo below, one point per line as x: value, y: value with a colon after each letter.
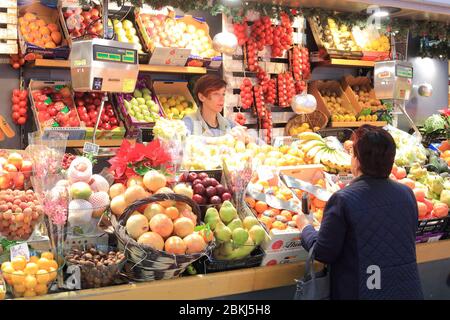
x: 284, y: 256
x: 49, y: 15
x: 333, y: 86
x: 75, y: 133
x: 171, y: 88
x: 131, y: 122
x: 348, y: 81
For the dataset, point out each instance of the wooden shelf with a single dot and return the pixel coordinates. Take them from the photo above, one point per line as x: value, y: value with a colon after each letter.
x: 347, y: 63
x: 48, y: 63
x: 357, y: 124
x: 101, y: 143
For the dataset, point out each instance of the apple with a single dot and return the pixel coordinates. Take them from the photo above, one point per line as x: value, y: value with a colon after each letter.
x: 215, y: 200
x: 199, y: 189
x: 202, y: 175
x: 220, y: 189
x: 198, y: 199
x: 226, y: 196
x: 196, y: 181
x: 192, y: 176
x: 211, y: 191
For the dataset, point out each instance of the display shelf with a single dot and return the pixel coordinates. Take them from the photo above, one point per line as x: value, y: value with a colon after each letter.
x: 356, y: 124
x: 101, y: 143
x: 47, y: 63
x: 346, y: 63
x: 225, y: 283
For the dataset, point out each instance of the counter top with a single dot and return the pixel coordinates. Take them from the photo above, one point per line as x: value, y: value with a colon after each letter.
x: 223, y: 283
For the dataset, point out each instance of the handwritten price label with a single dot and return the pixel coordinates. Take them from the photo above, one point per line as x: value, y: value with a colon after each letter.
x: 20, y: 250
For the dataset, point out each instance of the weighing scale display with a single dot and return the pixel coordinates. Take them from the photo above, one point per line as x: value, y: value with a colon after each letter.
x: 112, y: 54
x: 404, y: 71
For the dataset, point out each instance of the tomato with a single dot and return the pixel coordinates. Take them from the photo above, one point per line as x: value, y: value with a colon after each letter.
x: 22, y: 111
x: 16, y: 92
x: 82, y: 110
x: 93, y: 114
x: 113, y: 121
x: 15, y: 108
x: 22, y: 104
x: 91, y: 107
x: 52, y: 111
x: 15, y: 100
x: 21, y: 120
x: 107, y: 126
x: 15, y: 116
x: 110, y: 113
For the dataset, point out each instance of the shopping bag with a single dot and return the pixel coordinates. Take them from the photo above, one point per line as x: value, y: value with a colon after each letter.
x: 314, y: 285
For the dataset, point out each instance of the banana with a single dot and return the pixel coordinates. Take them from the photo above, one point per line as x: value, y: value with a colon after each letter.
x: 311, y: 144
x: 318, y: 156
x: 313, y: 151
x: 309, y: 136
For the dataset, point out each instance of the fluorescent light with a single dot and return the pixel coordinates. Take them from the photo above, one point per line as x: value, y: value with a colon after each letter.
x: 381, y: 13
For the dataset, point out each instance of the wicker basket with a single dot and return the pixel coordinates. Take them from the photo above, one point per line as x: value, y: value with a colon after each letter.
x: 315, y: 119
x: 145, y: 263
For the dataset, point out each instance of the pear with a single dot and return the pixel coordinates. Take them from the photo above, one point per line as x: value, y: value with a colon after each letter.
x: 257, y: 234
x: 137, y: 93
x: 249, y: 222
x: 222, y: 233
x: 227, y: 212
x: 235, y: 223
x: 212, y: 217
x: 240, y: 236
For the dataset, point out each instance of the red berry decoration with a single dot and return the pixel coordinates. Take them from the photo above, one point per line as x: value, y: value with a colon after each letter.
x: 19, y: 107
x: 246, y: 93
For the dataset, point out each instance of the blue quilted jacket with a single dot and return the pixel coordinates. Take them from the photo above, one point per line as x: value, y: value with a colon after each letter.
x: 371, y: 222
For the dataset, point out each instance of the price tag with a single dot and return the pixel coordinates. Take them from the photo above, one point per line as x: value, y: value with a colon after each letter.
x: 319, y: 193
x: 90, y: 147
x: 434, y: 239
x: 20, y: 250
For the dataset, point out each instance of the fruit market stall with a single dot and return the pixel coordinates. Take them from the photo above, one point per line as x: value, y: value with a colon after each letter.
x: 106, y: 196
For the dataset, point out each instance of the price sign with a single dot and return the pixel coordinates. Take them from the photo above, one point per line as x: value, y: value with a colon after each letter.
x: 20, y: 250
x: 74, y: 280
x: 90, y: 147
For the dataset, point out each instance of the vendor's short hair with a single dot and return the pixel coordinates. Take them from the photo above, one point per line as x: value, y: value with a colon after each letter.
x: 375, y: 149
x: 207, y: 84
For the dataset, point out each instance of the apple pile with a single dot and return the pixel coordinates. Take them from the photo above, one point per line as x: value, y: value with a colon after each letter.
x: 13, y: 171
x: 126, y: 32
x: 286, y: 89
x: 88, y: 106
x: 206, y: 190
x: 246, y: 93
x: 81, y: 22
x: 19, y: 212
x: 20, y: 106
x: 55, y: 107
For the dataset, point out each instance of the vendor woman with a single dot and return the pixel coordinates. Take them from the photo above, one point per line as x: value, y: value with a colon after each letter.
x: 209, y: 92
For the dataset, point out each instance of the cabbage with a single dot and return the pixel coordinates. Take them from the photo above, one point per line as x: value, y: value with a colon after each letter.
x: 434, y: 123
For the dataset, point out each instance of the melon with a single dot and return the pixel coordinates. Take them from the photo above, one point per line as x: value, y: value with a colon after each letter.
x: 184, y: 190
x: 152, y: 239
x: 99, y: 183
x: 152, y: 210
x: 100, y: 202
x: 80, y: 170
x: 183, y: 227
x: 136, y: 225
x: 162, y: 225
x: 118, y: 205
x: 194, y: 243
x: 116, y: 190
x: 80, y: 212
x: 166, y: 203
x: 135, y: 181
x: 134, y: 193
x: 175, y: 245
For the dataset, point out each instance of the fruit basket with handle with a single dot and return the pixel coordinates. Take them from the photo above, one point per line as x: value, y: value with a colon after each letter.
x: 317, y: 119
x: 145, y: 263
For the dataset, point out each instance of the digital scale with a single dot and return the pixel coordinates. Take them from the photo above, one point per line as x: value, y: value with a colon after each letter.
x: 101, y: 65
x: 393, y: 81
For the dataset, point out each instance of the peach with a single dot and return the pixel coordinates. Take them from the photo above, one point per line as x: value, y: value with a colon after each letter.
x: 175, y: 245
x: 50, y: 44
x: 56, y: 37
x: 52, y: 27
x: 44, y: 30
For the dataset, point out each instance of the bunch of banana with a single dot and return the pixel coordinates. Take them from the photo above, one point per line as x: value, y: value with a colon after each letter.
x: 317, y: 151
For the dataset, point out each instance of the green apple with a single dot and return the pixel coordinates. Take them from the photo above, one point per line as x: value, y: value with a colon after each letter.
x: 134, y: 102
x: 131, y: 113
x: 140, y: 117
x: 146, y: 97
x: 156, y: 116
x: 146, y: 112
x: 122, y: 38
x: 146, y: 91
x: 137, y: 93
x: 154, y: 108
x: 136, y: 109
x: 127, y: 104
x: 149, y: 119
x: 140, y: 101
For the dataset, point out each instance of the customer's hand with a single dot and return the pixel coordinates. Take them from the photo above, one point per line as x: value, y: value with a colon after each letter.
x: 301, y: 221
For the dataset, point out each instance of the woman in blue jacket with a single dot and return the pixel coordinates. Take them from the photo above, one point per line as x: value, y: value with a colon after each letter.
x: 367, y: 235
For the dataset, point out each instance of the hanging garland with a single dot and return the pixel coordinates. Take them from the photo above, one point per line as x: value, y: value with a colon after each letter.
x: 435, y: 36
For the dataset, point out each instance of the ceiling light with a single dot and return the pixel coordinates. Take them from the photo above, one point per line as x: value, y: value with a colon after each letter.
x: 381, y: 13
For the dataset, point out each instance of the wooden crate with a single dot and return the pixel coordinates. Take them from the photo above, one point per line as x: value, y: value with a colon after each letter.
x: 334, y: 86
x: 8, y: 47
x: 8, y: 28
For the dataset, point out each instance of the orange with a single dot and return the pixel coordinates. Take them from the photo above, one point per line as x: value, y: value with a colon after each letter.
x: 50, y: 44
x: 30, y: 282
x: 286, y: 214
x: 34, y: 259
x: 318, y: 203
x: 18, y: 277
x: 42, y: 276
x: 52, y: 274
x: 446, y: 154
x: 260, y: 206
x: 34, y: 27
x: 172, y: 213
x: 250, y: 201
x: 43, y: 264
x: 267, y: 221
x: 6, y: 264
x: 22, y: 21
x: 19, y: 288
x: 52, y: 27
x: 56, y: 37
x: 279, y: 225
x: 29, y: 16
x: 41, y: 23
x: 53, y: 264
x: 40, y: 289
x: 44, y: 30
x: 19, y: 263
x: 47, y: 255
x: 29, y: 293
x: 31, y: 268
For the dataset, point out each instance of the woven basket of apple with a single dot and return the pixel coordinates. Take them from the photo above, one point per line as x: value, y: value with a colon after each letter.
x: 163, y: 246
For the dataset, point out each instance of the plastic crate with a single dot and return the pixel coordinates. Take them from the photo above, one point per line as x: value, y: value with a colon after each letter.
x: 431, y: 230
x: 208, y: 265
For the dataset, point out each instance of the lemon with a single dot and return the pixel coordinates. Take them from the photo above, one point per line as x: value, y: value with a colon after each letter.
x: 162, y: 99
x: 171, y: 102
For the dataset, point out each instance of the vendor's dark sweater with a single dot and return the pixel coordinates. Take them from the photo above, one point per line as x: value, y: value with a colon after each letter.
x: 371, y: 222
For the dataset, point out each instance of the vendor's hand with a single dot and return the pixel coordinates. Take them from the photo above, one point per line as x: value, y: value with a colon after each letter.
x: 301, y: 220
